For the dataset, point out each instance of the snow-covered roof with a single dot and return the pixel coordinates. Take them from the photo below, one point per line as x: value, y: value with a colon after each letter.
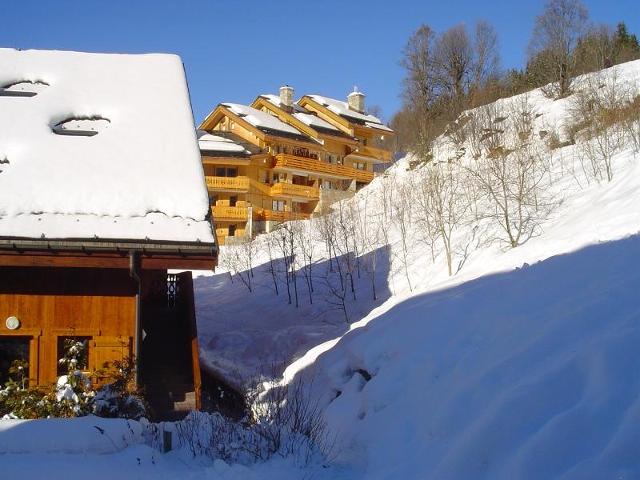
x: 342, y: 108
x: 379, y: 126
x: 215, y: 143
x: 76, y: 163
x: 262, y: 120
x: 302, y: 114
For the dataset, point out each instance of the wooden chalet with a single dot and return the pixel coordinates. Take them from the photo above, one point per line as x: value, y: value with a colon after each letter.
x: 279, y: 160
x: 94, y: 211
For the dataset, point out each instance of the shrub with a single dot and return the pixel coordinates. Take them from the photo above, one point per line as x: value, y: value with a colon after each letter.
x: 73, y: 394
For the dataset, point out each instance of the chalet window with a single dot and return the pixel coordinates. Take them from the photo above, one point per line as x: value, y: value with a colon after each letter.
x: 278, y: 205
x: 24, y: 88
x: 226, y: 172
x: 69, y: 346
x: 233, y: 200
x: 81, y: 126
x: 360, y: 165
x: 232, y: 231
x: 12, y: 349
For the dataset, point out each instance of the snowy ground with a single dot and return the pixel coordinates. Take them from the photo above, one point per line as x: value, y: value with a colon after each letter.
x: 523, y: 365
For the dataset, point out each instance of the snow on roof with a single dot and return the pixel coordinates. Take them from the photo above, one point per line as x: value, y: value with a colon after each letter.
x: 262, y: 120
x: 314, y: 121
x: 216, y: 143
x: 342, y: 108
x: 379, y: 126
x: 115, y: 182
x: 302, y: 114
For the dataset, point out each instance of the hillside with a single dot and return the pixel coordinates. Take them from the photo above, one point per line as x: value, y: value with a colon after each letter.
x: 517, y: 358
x: 520, y: 365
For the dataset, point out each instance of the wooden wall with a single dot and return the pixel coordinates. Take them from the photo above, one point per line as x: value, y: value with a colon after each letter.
x: 54, y: 302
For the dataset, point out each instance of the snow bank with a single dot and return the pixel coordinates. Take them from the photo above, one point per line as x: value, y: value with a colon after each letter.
x: 143, y: 160
x: 523, y: 365
x: 68, y: 435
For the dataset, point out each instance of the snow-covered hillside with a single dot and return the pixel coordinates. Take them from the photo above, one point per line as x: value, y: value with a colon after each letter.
x: 521, y: 365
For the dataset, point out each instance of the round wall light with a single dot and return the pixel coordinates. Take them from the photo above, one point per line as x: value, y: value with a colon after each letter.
x: 12, y: 323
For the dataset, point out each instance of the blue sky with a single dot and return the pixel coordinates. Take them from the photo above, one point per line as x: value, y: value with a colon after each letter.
x: 234, y: 49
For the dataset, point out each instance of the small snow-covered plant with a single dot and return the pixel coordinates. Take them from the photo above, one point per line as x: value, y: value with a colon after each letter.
x: 16, y: 399
x: 288, y: 418
x: 285, y: 420
x: 120, y: 398
x: 73, y: 393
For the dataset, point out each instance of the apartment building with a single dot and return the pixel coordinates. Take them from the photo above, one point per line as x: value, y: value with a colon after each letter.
x: 279, y: 159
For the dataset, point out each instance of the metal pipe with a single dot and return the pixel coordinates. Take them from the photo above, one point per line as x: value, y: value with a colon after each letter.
x: 134, y: 272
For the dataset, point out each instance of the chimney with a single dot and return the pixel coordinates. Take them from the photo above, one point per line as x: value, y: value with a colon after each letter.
x: 356, y: 100
x: 286, y: 96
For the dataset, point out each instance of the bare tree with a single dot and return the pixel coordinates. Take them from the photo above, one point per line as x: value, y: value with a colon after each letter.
x: 555, y: 36
x: 238, y: 259
x: 598, y: 113
x: 304, y: 237
x: 418, y: 88
x: 486, y: 61
x: 454, y: 62
x: 402, y: 207
x: 270, y: 245
x: 442, y: 193
x: 511, y: 177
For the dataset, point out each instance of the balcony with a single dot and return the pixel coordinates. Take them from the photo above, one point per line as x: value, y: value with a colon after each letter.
x: 229, y: 214
x: 293, y: 162
x: 284, y: 189
x: 279, y: 216
x: 234, y: 184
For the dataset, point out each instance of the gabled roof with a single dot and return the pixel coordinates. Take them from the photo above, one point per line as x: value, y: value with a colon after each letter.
x: 224, y: 144
x: 95, y: 146
x: 265, y: 122
x: 342, y: 108
x: 305, y: 116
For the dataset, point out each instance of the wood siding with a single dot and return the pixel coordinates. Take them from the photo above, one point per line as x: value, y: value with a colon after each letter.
x: 57, y: 302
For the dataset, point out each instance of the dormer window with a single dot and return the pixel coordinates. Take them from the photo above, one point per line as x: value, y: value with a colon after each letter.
x: 24, y: 88
x: 81, y: 126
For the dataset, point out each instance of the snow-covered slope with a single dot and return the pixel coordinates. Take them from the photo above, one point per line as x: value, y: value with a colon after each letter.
x: 521, y: 365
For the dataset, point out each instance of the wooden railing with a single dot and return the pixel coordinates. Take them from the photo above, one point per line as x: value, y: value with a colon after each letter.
x: 228, y: 183
x: 284, y: 160
x: 305, y: 191
x: 229, y: 213
x: 279, y: 216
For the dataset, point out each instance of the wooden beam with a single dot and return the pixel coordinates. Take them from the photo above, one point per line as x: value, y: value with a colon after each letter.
x: 104, y: 260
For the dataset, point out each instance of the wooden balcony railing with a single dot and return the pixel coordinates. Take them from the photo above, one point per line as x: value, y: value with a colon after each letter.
x: 290, y: 189
x: 228, y: 183
x: 279, y: 216
x: 229, y: 213
x: 284, y: 160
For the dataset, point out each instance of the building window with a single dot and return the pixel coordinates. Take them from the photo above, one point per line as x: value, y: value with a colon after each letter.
x: 360, y: 165
x: 278, y: 205
x: 12, y: 349
x: 233, y: 200
x: 226, y: 172
x: 73, y: 353
x: 232, y: 231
